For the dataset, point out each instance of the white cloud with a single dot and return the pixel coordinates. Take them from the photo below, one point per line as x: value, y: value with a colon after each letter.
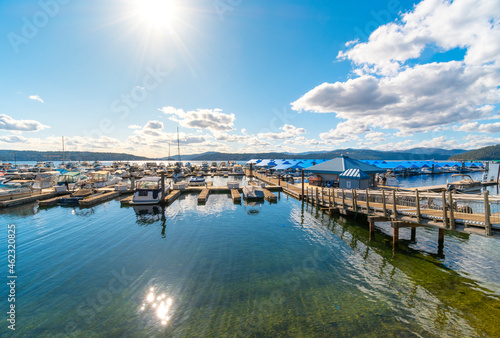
x: 134, y: 126
x: 289, y: 132
x: 155, y: 125
x: 391, y: 93
x: 345, y: 131
x: 11, y: 124
x: 482, y: 128
x: 211, y: 119
x: 13, y: 139
x: 36, y: 98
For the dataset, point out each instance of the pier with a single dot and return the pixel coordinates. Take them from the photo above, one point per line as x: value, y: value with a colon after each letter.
x: 408, y: 208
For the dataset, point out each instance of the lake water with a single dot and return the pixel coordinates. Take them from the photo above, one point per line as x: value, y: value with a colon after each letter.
x: 222, y: 269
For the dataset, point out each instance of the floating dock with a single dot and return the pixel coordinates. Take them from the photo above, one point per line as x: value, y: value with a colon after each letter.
x: 269, y: 195
x: 52, y: 201
x: 28, y: 199
x: 202, y: 198
x: 235, y: 195
x: 98, y: 198
x: 170, y: 198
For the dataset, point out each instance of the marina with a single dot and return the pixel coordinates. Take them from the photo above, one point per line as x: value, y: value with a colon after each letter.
x: 279, y: 239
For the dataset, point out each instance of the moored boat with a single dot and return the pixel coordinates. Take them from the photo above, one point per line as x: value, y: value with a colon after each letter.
x: 148, y: 191
x: 464, y: 183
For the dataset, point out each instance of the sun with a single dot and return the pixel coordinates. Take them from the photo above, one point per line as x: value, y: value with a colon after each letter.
x: 159, y: 13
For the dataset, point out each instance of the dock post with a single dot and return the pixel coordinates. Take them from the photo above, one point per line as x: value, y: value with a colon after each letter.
x: 413, y: 234
x: 330, y: 198
x: 251, y: 171
x: 343, y: 198
x: 487, y: 212
x: 367, y: 202
x: 132, y: 182
x: 302, y: 175
x: 394, y: 209
x: 354, y: 200
x: 417, y: 199
x: 395, y: 234
x: 162, y: 186
x: 441, y: 240
x: 384, y: 206
x: 317, y: 196
x: 452, y: 215
x: 445, y: 213
x: 371, y: 222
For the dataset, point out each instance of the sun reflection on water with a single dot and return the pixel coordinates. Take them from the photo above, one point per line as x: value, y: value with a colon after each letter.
x: 160, y: 304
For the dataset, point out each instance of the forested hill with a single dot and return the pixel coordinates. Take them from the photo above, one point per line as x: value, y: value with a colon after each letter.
x: 482, y: 154
x: 30, y: 155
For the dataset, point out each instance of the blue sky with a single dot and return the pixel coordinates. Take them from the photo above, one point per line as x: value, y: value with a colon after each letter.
x: 246, y: 76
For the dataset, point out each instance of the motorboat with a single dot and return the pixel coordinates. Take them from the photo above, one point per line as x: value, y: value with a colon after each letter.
x: 464, y: 183
x: 148, y: 190
x: 238, y: 169
x: 253, y: 193
x: 101, y: 179
x: 70, y: 181
x: 16, y: 189
x: 46, y: 179
x: 196, y: 181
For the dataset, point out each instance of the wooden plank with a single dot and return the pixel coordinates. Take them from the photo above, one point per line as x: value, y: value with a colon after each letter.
x: 269, y: 195
x: 203, y: 196
x: 174, y: 194
x: 126, y: 200
x: 92, y: 200
x: 51, y: 201
x: 28, y: 199
x: 235, y: 195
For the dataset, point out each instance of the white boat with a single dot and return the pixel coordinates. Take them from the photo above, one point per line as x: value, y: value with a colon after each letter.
x: 70, y: 181
x: 101, y: 179
x: 253, y: 192
x: 464, y: 183
x: 238, y: 169
x: 196, y: 181
x: 47, y: 179
x: 15, y: 189
x: 148, y: 191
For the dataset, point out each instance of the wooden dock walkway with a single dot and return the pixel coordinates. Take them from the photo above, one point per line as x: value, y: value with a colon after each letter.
x: 269, y: 195
x: 444, y: 210
x: 96, y: 199
x: 52, y: 201
x: 236, y: 196
x: 170, y: 198
x: 202, y: 198
x: 28, y: 199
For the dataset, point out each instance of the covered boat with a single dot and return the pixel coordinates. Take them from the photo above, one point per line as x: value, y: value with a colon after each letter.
x: 148, y: 190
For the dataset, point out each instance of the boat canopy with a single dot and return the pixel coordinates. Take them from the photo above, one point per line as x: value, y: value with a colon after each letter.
x: 150, y: 179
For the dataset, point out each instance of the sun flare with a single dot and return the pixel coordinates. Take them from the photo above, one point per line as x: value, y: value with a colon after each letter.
x: 160, y: 13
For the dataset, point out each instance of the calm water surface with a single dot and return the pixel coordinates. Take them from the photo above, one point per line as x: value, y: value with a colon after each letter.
x: 221, y: 269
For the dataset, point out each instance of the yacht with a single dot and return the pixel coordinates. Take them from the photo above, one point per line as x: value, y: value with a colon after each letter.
x: 148, y: 191
x: 46, y: 179
x: 196, y: 181
x: 70, y: 181
x: 15, y: 189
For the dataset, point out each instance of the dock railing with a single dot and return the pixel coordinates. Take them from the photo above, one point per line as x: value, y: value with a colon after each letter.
x: 446, y: 208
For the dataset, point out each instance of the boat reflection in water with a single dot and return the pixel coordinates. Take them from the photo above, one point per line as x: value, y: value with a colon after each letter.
x: 150, y: 214
x: 253, y: 207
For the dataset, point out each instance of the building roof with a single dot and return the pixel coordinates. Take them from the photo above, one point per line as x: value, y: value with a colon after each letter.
x: 340, y: 164
x: 355, y: 174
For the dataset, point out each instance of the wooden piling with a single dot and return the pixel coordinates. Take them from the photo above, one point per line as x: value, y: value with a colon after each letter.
x: 445, y: 213
x: 384, y: 206
x: 413, y: 234
x: 317, y: 196
x: 302, y: 175
x: 441, y: 239
x: 452, y: 213
x: 343, y: 198
x: 487, y: 213
x: 367, y: 202
x: 394, y: 209
x: 417, y: 198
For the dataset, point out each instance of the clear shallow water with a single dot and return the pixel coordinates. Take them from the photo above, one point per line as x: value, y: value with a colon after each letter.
x: 247, y: 270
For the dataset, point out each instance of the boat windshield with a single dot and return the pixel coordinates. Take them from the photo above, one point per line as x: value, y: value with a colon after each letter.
x: 148, y: 185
